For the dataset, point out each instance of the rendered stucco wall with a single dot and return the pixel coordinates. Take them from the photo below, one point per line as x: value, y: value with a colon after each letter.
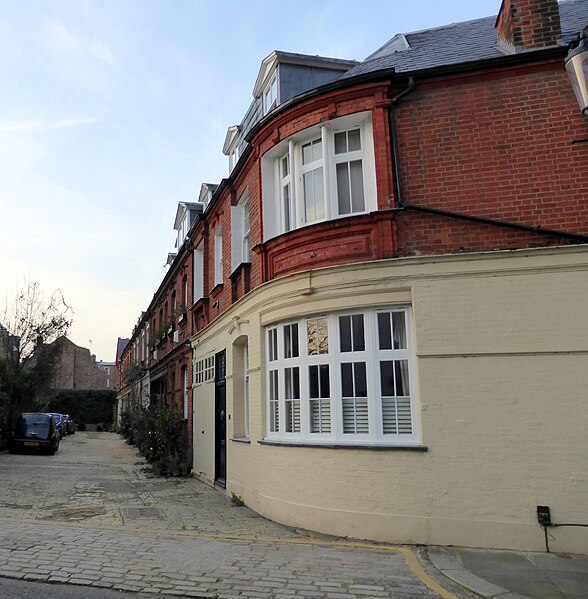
x: 502, y: 348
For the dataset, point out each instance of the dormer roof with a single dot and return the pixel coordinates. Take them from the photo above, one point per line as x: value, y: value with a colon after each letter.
x: 206, y: 191
x: 231, y: 139
x: 269, y: 63
x: 183, y: 208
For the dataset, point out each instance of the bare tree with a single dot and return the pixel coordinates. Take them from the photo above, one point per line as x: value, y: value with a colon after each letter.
x: 34, y: 319
x: 31, y: 321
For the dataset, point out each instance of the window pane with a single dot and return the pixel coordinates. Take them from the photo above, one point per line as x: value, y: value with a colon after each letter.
x: 341, y: 142
x: 318, y: 194
x: 384, y: 330
x: 401, y: 377
x: 354, y: 140
x: 295, y: 347
x: 318, y: 336
x: 347, y: 380
x: 314, y: 195
x: 285, y: 166
x: 313, y: 384
x: 343, y: 191
x: 287, y: 215
x: 345, y: 333
x: 325, y: 387
x: 272, y: 344
x: 387, y: 378
x: 360, y: 379
x: 357, y: 196
x: 292, y: 382
x: 358, y: 336
x: 312, y: 151
x: 317, y: 149
x: 399, y: 326
x: 287, y: 345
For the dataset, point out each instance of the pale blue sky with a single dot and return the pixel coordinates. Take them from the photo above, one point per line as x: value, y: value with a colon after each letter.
x: 113, y: 111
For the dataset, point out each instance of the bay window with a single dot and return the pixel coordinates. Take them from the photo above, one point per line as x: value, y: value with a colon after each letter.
x: 240, y: 232
x: 322, y: 173
x: 343, y: 378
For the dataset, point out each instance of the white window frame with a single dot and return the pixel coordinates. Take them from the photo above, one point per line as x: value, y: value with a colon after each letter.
x: 218, y: 255
x: 240, y: 232
x: 203, y: 370
x: 198, y: 274
x: 371, y: 356
x: 270, y: 93
x: 277, y: 219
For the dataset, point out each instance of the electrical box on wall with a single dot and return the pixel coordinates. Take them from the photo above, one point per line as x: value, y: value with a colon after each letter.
x: 544, y: 515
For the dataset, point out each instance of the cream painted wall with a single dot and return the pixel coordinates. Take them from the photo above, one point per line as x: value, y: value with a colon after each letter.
x: 502, y: 366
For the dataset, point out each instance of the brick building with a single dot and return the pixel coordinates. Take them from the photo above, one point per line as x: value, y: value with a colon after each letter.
x: 77, y: 368
x: 385, y: 299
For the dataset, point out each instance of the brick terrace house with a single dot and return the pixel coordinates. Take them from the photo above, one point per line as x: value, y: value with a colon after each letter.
x: 385, y: 299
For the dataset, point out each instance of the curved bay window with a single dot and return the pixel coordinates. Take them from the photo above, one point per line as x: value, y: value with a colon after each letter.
x: 343, y: 378
x: 322, y: 173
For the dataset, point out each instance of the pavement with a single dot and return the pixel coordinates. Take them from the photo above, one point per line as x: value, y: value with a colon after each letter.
x: 100, y: 519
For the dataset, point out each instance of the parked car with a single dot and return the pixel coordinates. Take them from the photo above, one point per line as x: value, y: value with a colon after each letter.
x: 70, y: 425
x: 34, y: 430
x: 60, y: 423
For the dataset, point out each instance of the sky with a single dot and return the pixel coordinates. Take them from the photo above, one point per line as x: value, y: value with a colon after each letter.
x: 113, y: 111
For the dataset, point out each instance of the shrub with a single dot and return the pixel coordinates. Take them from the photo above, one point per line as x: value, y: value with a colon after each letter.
x: 157, y: 433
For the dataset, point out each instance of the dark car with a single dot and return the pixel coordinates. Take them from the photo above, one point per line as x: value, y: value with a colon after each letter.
x: 70, y: 425
x: 60, y: 423
x: 35, y: 430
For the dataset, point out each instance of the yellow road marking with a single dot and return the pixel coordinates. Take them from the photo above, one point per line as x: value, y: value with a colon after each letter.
x: 410, y: 558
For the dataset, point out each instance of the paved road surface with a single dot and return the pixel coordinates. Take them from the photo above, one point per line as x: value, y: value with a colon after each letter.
x: 92, y: 515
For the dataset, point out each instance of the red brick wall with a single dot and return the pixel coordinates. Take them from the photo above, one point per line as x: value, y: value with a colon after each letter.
x: 499, y: 147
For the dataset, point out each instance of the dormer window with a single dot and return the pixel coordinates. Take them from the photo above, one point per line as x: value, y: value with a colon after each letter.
x: 231, y: 146
x: 270, y: 95
x: 233, y: 158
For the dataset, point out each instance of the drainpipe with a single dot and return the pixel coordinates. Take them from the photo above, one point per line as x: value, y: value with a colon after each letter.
x: 399, y: 198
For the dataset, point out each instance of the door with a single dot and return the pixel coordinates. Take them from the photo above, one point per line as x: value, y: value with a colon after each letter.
x: 220, y: 417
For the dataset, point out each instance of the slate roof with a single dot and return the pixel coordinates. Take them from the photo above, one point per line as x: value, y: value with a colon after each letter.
x: 458, y: 43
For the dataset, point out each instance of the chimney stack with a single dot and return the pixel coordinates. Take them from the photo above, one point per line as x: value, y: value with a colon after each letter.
x: 528, y: 24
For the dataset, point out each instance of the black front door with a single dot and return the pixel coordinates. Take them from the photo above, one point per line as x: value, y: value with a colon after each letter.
x: 220, y: 413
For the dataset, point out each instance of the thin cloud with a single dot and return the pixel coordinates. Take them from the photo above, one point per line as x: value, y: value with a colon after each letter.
x: 77, y: 44
x: 39, y: 126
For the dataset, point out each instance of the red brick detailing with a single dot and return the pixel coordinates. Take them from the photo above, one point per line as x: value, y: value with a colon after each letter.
x: 342, y: 241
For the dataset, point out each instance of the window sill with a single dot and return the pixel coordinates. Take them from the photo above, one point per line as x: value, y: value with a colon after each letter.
x: 199, y: 302
x: 216, y: 288
x: 241, y: 440
x: 372, y: 446
x: 238, y: 269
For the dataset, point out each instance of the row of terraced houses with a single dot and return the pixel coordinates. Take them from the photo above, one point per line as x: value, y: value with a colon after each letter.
x: 376, y: 326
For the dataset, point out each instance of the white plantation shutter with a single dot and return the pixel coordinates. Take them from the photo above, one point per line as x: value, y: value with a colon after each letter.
x: 355, y: 415
x: 320, y: 416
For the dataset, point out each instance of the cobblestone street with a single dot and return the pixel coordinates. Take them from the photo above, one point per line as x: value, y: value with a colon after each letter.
x: 93, y: 515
